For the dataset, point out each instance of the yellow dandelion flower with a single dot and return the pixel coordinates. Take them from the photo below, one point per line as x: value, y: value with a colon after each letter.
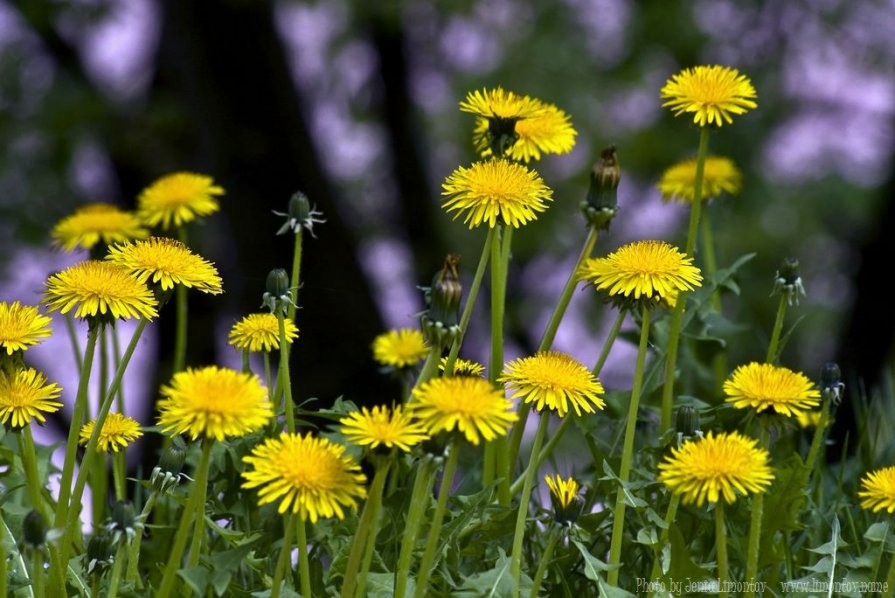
x: 177, y: 199
x: 564, y: 493
x: 500, y: 104
x: 21, y: 326
x: 809, y: 419
x: 715, y: 466
x: 652, y: 270
x: 24, y: 395
x: 97, y: 222
x: 382, y: 427
x: 400, y: 348
x: 548, y: 132
x: 166, y: 262
x: 710, y: 93
x: 764, y: 386
x: 555, y: 380
x: 496, y: 189
x: 878, y: 490
x: 213, y: 402
x: 118, y: 432
x: 471, y: 405
x: 261, y: 332
x: 99, y: 288
x: 463, y: 367
x: 309, y: 476
x: 720, y: 175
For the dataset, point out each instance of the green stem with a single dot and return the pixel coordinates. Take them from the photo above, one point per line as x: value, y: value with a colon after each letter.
x: 429, y: 368
x: 778, y: 328
x: 115, y: 581
x: 303, y: 568
x: 29, y: 464
x: 675, y: 332
x: 618, y: 516
x: 119, y: 469
x: 285, y: 552
x: 470, y: 302
x: 890, y: 578
x: 522, y: 513
x: 817, y: 439
x: 610, y: 340
x: 296, y: 272
x: 708, y: 256
x: 71, y: 522
x: 502, y: 463
x: 190, y: 512
x: 432, y: 544
x: 670, y: 514
x: 368, y: 552
x: 755, y: 522
x: 365, y: 533
x: 99, y: 472
x: 267, y: 379
x: 133, y: 556
x: 545, y: 561
x: 419, y: 501
x: 77, y: 419
x: 566, y: 296
x: 73, y: 336
x: 246, y: 366
x: 4, y: 556
x: 182, y: 315
x: 721, y: 545
x: 116, y: 352
x: 289, y: 406
x: 37, y: 572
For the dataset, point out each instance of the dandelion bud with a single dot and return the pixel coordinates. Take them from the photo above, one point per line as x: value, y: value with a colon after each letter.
x: 34, y: 529
x: 166, y: 474
x: 601, y: 203
x: 686, y: 421
x: 831, y: 385
x: 441, y: 322
x: 123, y: 523
x: 278, y: 294
x: 787, y: 280
x: 564, y: 496
x: 300, y: 215
x: 99, y: 553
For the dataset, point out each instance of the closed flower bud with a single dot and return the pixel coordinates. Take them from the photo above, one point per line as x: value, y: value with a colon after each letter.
x: 686, y: 421
x: 99, y: 553
x: 123, y: 523
x: 441, y: 322
x: 601, y: 203
x: 788, y: 280
x: 166, y: 474
x: 278, y: 295
x: 831, y: 385
x: 300, y: 215
x: 34, y: 529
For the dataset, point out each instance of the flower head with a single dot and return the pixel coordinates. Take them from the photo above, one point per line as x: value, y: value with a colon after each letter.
x: 99, y: 288
x: 166, y: 262
x: 213, y: 402
x: 24, y: 394
x: 719, y: 175
x: 261, y: 332
x: 496, y: 189
x: 764, y: 386
x: 564, y: 496
x: 649, y: 270
x: 500, y: 104
x: 97, y: 222
x: 310, y: 476
x: 710, y: 93
x: 554, y: 380
x: 471, y: 405
x: 549, y: 131
x: 21, y: 326
x: 716, y: 466
x: 177, y: 199
x: 400, y: 348
x: 382, y: 428
x: 878, y: 490
x: 463, y: 367
x: 118, y: 432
